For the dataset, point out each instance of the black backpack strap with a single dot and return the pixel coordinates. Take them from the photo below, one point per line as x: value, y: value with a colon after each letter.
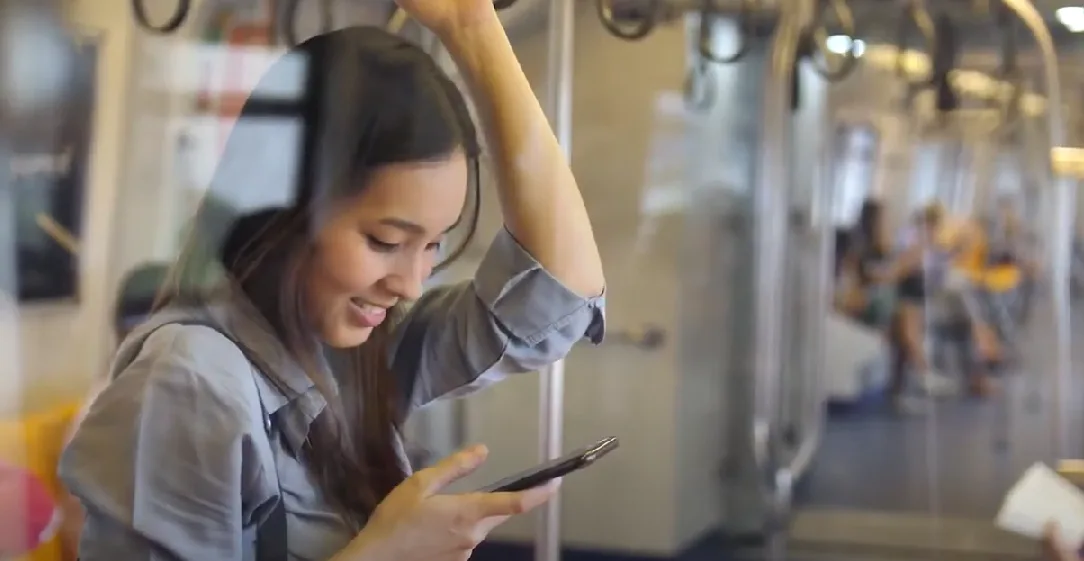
x: 271, y: 538
x: 271, y: 542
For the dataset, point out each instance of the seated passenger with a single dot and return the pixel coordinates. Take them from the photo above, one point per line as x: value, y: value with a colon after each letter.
x: 864, y: 270
x: 260, y: 418
x: 910, y: 329
x: 874, y: 279
x: 986, y: 253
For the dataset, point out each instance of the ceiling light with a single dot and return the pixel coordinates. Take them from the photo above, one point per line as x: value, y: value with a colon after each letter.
x: 840, y: 44
x: 1072, y: 17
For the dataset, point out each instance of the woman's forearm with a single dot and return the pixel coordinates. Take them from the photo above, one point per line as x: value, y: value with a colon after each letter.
x: 540, y: 201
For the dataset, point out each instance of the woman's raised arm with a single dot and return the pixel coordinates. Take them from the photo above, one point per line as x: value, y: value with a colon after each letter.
x: 541, y: 203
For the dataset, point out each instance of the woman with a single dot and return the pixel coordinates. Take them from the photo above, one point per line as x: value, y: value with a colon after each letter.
x: 264, y: 417
x: 912, y: 293
x: 866, y: 269
x: 882, y: 284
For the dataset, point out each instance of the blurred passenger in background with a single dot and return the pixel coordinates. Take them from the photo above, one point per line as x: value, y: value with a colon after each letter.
x: 913, y: 287
x: 865, y: 292
x: 885, y: 289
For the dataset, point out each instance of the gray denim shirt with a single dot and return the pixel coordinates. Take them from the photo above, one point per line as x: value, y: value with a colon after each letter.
x: 174, y: 462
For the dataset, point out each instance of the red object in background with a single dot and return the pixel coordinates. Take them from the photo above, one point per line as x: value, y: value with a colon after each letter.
x: 28, y: 514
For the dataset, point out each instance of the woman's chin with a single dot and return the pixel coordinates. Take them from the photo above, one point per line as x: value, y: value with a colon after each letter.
x: 345, y: 337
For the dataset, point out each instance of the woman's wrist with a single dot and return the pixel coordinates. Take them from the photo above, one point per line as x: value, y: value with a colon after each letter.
x: 469, y: 38
x: 365, y: 548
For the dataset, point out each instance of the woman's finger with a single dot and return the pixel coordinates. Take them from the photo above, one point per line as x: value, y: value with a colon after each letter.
x: 510, y: 504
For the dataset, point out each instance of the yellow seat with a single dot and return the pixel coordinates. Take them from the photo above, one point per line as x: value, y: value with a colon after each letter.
x: 34, y: 442
x: 1002, y: 278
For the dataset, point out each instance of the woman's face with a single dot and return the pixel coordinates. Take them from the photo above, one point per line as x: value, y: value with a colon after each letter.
x: 377, y: 247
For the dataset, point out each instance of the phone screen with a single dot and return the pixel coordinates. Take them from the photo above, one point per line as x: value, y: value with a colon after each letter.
x: 553, y: 469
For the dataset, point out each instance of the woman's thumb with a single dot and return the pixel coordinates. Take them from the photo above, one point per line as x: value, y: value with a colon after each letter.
x: 454, y: 467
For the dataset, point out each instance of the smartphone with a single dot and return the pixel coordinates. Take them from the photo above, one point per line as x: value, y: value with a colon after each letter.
x: 553, y: 469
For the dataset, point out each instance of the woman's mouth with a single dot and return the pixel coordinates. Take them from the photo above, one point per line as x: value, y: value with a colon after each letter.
x: 365, y: 314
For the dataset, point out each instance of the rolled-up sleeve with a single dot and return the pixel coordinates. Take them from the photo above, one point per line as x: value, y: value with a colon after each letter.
x: 157, y: 462
x: 513, y: 317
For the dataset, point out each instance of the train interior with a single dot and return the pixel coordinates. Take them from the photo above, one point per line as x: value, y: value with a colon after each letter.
x: 779, y: 391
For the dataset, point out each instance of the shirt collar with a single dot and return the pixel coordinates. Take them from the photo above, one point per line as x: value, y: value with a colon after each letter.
x: 286, y: 392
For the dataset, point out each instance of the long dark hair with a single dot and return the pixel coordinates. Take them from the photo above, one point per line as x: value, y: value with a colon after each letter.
x: 867, y: 231
x: 366, y: 98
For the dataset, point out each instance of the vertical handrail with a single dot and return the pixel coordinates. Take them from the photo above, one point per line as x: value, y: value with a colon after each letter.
x: 820, y: 290
x: 562, y: 27
x: 1062, y: 226
x: 771, y: 202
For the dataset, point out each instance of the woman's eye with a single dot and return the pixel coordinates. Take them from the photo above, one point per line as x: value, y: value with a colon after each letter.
x: 435, y: 246
x: 381, y: 246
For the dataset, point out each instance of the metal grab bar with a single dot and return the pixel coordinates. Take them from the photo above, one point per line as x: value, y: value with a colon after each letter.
x: 699, y: 89
x: 817, y: 36
x: 708, y: 14
x: 604, y: 10
x: 289, y: 20
x: 823, y: 231
x: 1062, y: 225
x: 551, y: 388
x: 943, y: 62
x: 175, y: 21
x: 1008, y: 69
x: 771, y: 194
x: 914, y: 12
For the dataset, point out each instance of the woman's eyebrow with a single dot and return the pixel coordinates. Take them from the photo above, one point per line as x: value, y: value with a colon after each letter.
x: 408, y: 226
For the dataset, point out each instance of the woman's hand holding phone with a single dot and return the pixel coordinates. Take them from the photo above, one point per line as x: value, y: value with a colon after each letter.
x: 417, y: 523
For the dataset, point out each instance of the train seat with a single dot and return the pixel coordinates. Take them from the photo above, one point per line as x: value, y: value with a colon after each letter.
x: 34, y: 442
x: 855, y: 359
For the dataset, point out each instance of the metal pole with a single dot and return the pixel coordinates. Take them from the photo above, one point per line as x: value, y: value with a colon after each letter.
x: 1062, y: 229
x: 772, y: 204
x: 551, y: 415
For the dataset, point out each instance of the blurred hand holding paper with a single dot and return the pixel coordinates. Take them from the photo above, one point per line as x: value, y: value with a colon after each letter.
x: 1041, y: 497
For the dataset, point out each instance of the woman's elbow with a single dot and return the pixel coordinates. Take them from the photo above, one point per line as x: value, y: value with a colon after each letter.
x: 557, y: 341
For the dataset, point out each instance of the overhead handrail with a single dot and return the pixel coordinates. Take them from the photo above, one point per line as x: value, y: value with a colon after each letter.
x: 1008, y: 70
x: 1009, y: 65
x: 175, y: 21
x: 634, y: 32
x: 913, y: 14
x: 942, y: 62
x: 289, y: 20
x: 816, y: 38
x: 708, y: 15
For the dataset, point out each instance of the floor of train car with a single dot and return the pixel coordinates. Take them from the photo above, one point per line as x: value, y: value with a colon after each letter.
x: 879, y: 479
x: 887, y: 487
